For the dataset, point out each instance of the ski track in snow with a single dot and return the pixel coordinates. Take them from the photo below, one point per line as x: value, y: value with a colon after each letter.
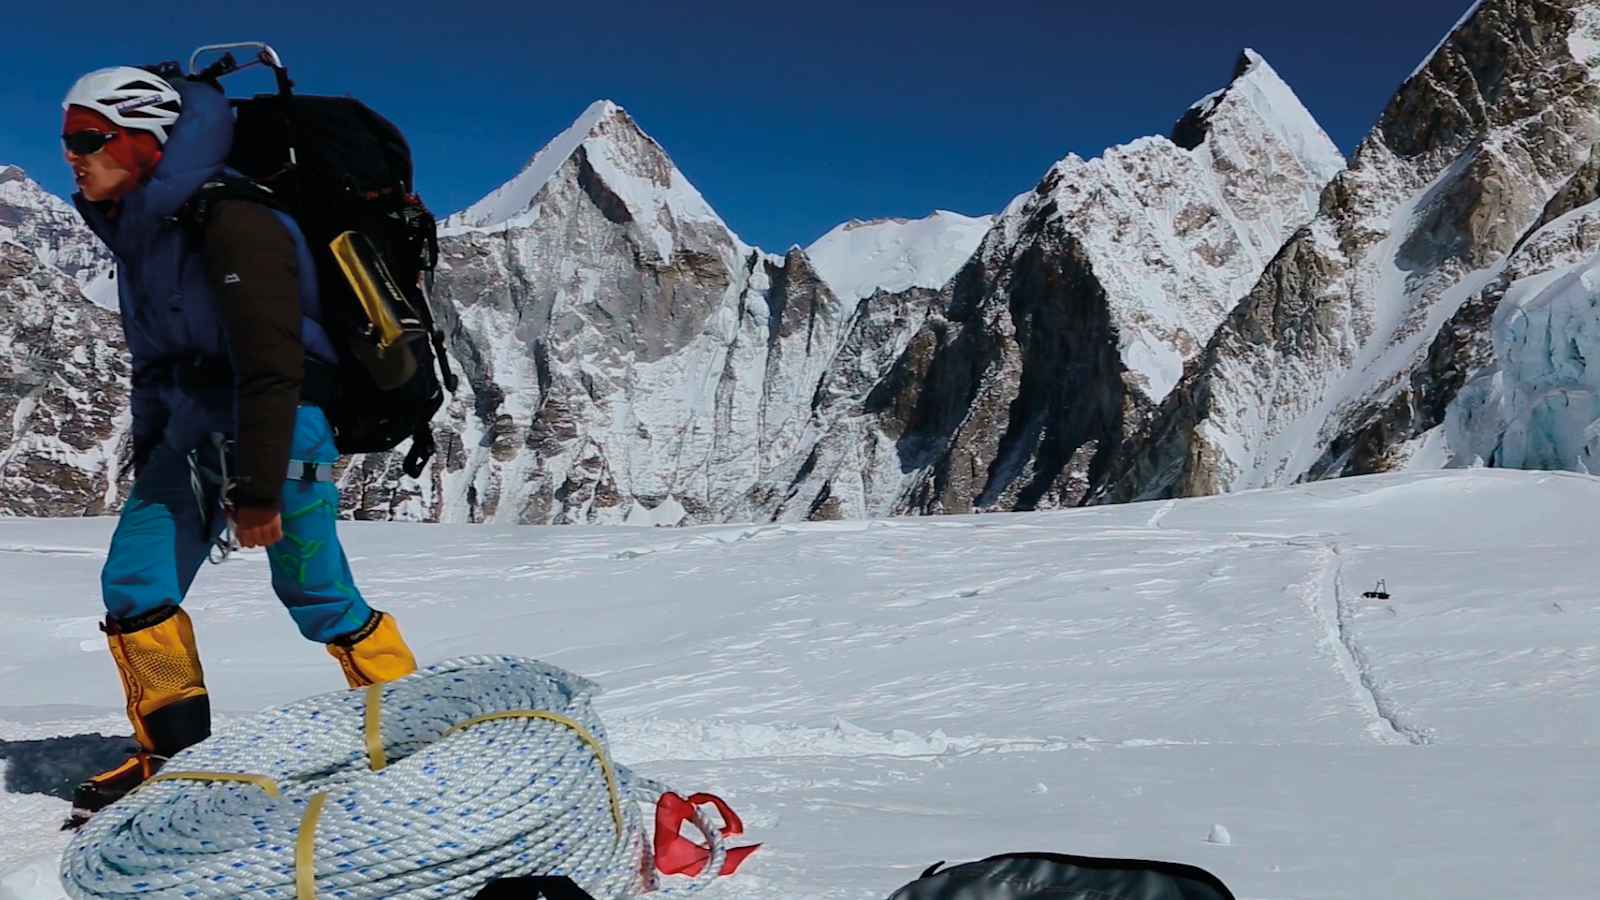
x: 1324, y: 596
x: 1155, y: 520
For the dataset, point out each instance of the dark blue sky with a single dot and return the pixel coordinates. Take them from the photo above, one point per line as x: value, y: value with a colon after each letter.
x: 790, y: 118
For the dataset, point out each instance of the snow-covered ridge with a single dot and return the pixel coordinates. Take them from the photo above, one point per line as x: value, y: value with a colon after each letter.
x: 859, y: 258
x: 1362, y: 331
x: 1439, y: 46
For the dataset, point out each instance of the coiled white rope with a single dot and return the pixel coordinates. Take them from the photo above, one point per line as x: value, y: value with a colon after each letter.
x: 477, y: 768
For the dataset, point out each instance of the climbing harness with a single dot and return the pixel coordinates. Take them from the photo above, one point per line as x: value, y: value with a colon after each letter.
x: 433, y: 785
x: 203, y: 481
x: 201, y: 477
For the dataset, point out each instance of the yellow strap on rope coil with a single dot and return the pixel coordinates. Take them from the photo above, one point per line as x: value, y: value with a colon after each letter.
x: 260, y: 781
x: 374, y: 719
x: 305, y: 843
x: 580, y: 731
x: 305, y: 863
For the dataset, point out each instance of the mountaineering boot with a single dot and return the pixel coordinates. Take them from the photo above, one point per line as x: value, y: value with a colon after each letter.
x: 167, y: 701
x: 110, y: 786
x: 374, y: 653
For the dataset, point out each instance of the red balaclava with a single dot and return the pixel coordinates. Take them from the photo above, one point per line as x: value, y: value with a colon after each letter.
x: 133, y: 149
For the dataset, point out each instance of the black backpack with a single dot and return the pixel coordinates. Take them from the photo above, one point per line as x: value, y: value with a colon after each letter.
x: 1057, y: 876
x: 543, y: 887
x: 344, y: 174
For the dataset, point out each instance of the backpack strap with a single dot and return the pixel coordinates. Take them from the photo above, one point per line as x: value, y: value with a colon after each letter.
x: 422, y: 448
x: 321, y: 379
x: 195, y: 213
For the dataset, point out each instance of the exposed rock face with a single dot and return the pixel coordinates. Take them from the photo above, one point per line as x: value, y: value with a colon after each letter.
x: 63, y: 393
x: 63, y: 363
x: 1360, y: 331
x: 52, y: 230
x: 1076, y: 314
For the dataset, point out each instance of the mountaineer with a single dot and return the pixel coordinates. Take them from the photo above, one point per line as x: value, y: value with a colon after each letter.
x: 232, y: 373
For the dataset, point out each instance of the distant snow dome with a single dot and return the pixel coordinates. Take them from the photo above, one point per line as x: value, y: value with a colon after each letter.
x: 859, y: 258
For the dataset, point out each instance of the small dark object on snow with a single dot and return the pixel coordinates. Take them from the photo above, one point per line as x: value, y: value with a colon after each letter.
x: 1381, y: 592
x: 544, y: 887
x: 1037, y: 876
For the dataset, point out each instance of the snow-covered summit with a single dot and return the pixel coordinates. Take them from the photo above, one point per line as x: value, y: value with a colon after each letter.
x: 858, y: 258
x: 1075, y: 316
x: 514, y: 197
x: 1260, y: 99
x: 610, y: 151
x: 1179, y: 229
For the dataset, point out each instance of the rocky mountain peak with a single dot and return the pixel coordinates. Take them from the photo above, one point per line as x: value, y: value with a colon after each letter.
x: 624, y: 171
x: 1190, y: 130
x: 1359, y: 333
x: 1178, y: 233
x: 1016, y: 384
x: 52, y: 229
x: 1256, y: 102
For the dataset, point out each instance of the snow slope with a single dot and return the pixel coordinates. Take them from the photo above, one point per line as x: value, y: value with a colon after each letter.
x: 877, y: 695
x: 859, y: 258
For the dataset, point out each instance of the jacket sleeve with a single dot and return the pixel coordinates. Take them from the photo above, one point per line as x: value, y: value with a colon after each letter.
x: 149, y: 419
x: 250, y: 259
x: 148, y: 409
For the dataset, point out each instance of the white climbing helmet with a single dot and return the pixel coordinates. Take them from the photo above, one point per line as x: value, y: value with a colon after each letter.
x: 132, y: 98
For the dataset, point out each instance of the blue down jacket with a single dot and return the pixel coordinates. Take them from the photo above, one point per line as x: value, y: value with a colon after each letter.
x: 174, y: 330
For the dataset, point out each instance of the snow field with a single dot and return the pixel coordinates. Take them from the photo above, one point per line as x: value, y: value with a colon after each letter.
x: 874, y: 696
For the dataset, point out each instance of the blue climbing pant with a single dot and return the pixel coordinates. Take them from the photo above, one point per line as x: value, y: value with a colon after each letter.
x: 165, y: 535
